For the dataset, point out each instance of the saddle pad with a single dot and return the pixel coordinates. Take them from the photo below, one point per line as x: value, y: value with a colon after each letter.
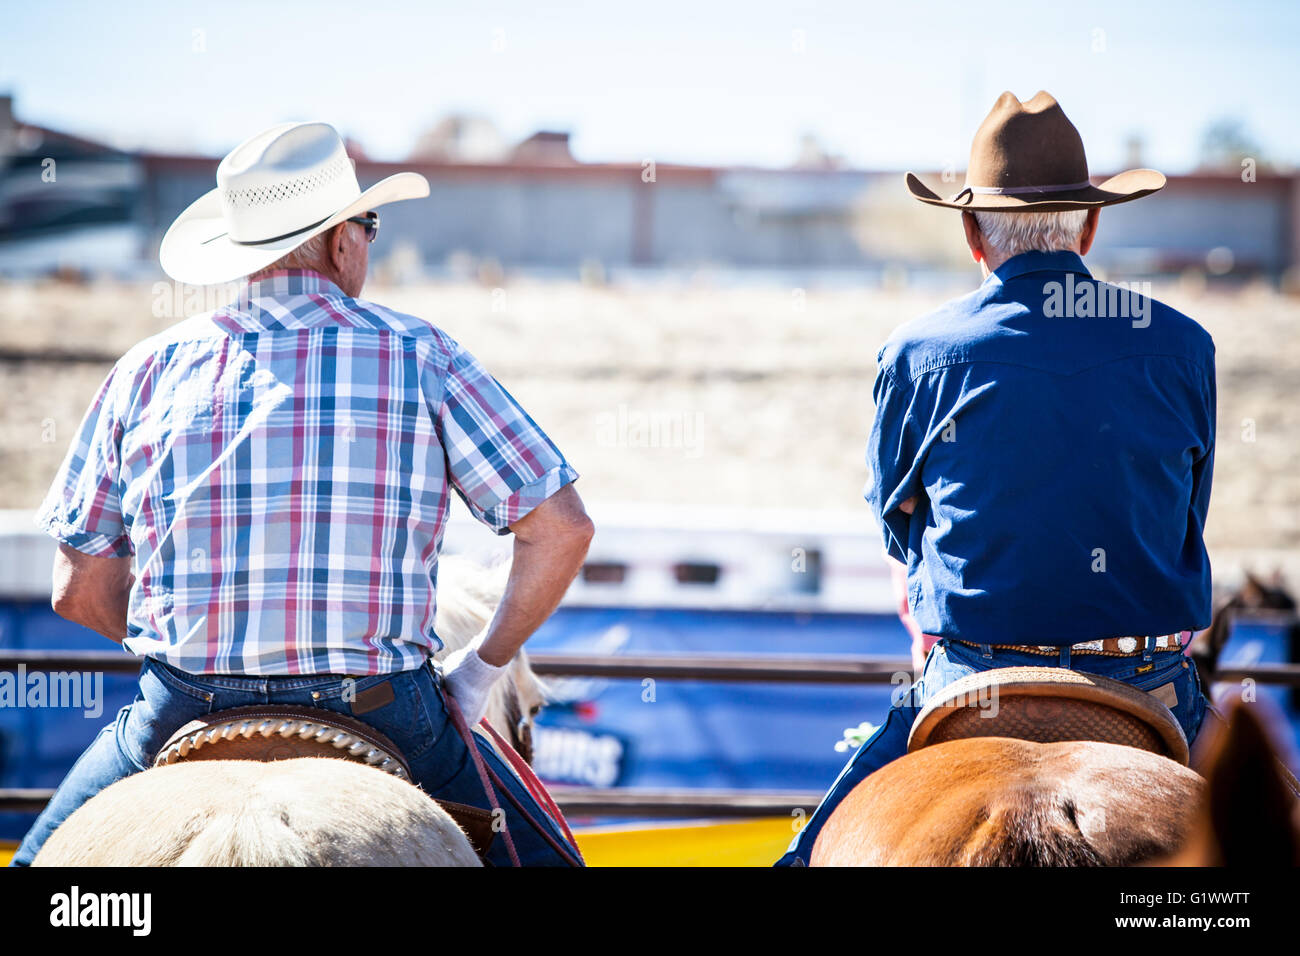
x: 1048, y: 705
x: 479, y: 825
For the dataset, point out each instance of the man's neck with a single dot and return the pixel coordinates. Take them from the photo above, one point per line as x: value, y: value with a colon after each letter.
x: 297, y: 270
x: 994, y: 261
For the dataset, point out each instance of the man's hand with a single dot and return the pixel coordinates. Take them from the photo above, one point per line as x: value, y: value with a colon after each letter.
x: 550, y: 545
x: 908, y: 506
x: 469, y: 680
x: 92, y: 592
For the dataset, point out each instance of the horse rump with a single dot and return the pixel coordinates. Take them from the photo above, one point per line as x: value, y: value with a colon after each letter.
x: 1030, y: 827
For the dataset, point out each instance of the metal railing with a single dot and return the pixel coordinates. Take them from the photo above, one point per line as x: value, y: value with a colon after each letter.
x: 625, y: 802
x: 727, y: 668
x: 583, y: 801
x: 723, y: 668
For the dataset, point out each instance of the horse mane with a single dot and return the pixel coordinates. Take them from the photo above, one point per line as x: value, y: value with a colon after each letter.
x: 1248, y: 815
x: 468, y: 592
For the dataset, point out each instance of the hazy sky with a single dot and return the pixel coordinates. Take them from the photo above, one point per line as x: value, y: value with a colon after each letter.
x: 888, y: 85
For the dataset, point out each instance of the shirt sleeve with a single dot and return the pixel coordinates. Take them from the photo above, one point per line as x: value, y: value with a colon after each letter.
x: 499, y: 461
x: 83, y: 508
x: 893, y: 453
x: 1203, y: 468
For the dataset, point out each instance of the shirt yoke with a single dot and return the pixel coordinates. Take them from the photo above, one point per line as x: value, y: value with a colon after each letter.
x: 359, y: 317
x: 993, y: 323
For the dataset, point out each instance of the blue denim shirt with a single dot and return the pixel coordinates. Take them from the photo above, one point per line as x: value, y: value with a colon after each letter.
x: 1058, y: 434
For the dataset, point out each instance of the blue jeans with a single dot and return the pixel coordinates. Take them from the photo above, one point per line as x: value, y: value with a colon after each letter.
x: 416, y: 720
x: 949, y: 661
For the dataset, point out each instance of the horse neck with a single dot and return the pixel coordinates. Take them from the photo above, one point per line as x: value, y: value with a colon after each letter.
x: 467, y: 594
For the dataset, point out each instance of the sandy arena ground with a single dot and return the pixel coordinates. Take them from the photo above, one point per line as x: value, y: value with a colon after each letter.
x: 688, y: 394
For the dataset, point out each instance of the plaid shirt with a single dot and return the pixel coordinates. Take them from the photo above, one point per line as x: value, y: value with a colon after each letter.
x: 280, y: 468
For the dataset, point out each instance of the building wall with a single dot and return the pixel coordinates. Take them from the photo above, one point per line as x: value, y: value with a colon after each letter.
x: 1193, y: 215
x: 541, y: 222
x: 561, y: 217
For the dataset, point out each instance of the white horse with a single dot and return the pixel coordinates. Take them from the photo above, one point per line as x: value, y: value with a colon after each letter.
x: 304, y: 811
x: 309, y: 811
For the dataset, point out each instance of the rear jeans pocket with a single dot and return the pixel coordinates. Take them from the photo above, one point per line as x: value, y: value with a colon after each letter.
x: 163, y: 706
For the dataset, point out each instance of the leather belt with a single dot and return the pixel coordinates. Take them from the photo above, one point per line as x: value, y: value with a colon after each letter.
x: 1111, y: 646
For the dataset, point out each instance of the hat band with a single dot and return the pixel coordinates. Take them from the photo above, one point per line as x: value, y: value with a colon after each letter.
x: 287, y: 235
x: 1021, y: 190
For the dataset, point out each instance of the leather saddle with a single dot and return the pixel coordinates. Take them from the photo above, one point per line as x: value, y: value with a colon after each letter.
x: 1048, y: 705
x: 266, y: 733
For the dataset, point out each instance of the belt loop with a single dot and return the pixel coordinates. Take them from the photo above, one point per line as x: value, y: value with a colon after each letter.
x: 986, y: 651
x: 1149, y: 650
x: 1065, y: 656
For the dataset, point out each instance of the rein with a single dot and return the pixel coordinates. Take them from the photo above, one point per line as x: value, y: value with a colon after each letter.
x: 458, y: 719
x: 534, y: 786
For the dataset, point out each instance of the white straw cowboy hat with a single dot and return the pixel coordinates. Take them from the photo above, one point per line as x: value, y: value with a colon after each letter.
x: 274, y: 192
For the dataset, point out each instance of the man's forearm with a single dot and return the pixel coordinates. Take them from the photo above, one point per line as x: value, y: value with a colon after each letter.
x: 539, y: 575
x: 105, y: 615
x: 105, y: 620
x: 93, y: 592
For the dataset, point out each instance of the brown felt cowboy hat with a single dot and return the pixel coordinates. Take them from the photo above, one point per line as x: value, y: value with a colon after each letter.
x: 1028, y: 157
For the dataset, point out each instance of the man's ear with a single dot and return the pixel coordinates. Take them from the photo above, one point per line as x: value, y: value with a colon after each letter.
x: 973, y: 237
x: 1089, y: 230
x: 336, y: 240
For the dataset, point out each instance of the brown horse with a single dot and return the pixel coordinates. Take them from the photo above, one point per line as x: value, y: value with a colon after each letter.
x: 988, y: 801
x: 996, y: 801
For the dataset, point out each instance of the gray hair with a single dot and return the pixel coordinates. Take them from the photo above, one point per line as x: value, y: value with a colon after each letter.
x: 310, y: 255
x: 1012, y: 233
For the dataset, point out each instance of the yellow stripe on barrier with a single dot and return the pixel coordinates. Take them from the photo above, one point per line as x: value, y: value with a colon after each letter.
x: 707, y: 843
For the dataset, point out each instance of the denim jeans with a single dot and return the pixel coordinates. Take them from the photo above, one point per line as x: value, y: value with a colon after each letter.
x: 949, y: 661
x: 416, y: 720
